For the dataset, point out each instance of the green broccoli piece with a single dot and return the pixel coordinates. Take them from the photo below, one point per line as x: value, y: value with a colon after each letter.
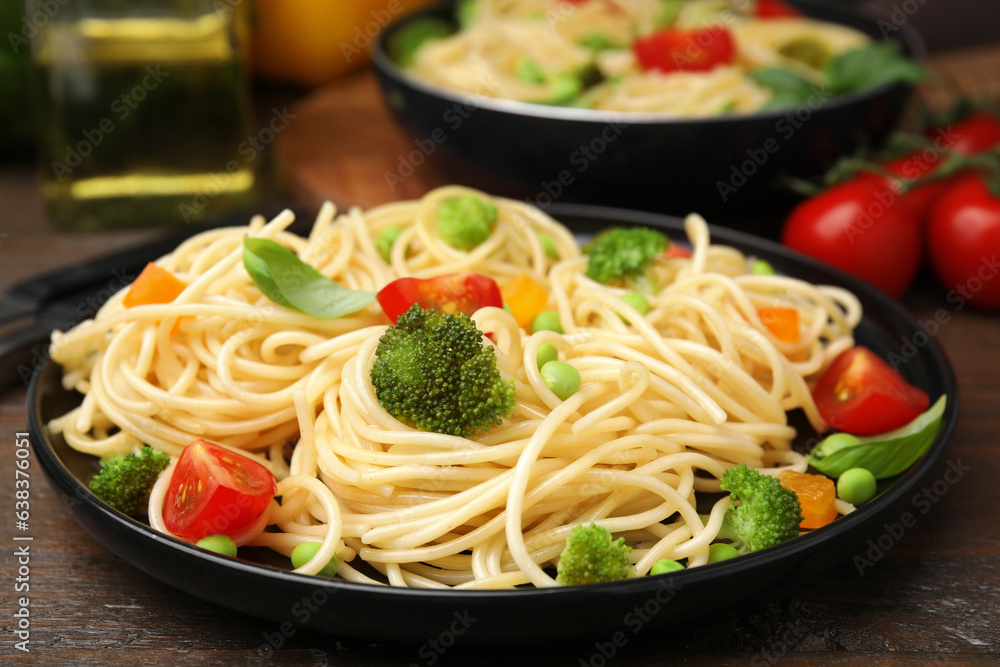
x: 591, y: 556
x: 767, y: 513
x: 625, y: 255
x: 433, y: 372
x: 125, y: 481
x: 465, y: 222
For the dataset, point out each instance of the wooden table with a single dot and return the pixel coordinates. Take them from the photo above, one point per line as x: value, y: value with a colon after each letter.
x: 935, y: 596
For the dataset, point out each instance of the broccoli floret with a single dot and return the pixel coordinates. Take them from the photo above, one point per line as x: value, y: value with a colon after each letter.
x: 465, y: 222
x: 623, y: 256
x: 433, y: 372
x: 591, y: 556
x: 125, y: 481
x: 767, y: 513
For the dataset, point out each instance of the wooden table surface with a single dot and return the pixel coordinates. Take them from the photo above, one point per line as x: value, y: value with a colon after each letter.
x: 934, y: 596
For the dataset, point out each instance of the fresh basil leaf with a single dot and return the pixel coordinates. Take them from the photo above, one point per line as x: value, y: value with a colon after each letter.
x: 871, y: 65
x: 883, y: 455
x: 288, y: 281
x: 788, y: 88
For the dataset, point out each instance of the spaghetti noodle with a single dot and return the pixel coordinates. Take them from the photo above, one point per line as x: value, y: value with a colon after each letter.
x: 668, y: 400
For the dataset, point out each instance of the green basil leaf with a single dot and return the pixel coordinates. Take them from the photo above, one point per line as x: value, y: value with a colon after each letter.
x: 883, y: 455
x: 787, y: 87
x: 871, y: 65
x: 288, y: 281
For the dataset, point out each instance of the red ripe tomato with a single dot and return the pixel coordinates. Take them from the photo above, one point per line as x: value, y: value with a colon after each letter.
x: 977, y: 132
x: 861, y: 394
x: 964, y: 241
x: 675, y: 50
x: 910, y: 167
x: 455, y: 292
x: 772, y: 9
x: 866, y: 233
x: 215, y: 490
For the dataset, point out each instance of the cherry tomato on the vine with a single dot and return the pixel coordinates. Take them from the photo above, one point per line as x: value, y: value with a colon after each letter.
x: 869, y: 234
x: 977, y: 132
x: 964, y: 241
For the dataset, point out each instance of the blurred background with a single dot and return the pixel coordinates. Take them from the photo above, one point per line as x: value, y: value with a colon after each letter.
x: 233, y: 70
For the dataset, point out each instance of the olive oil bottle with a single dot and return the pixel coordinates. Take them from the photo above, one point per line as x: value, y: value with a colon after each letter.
x: 143, y: 114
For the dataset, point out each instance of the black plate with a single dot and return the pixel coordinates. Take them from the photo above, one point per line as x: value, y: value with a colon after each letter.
x: 544, y: 615
x: 645, y: 161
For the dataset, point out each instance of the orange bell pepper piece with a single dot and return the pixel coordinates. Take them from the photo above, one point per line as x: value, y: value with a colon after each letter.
x: 783, y: 323
x: 154, y: 285
x: 526, y: 298
x: 817, y: 496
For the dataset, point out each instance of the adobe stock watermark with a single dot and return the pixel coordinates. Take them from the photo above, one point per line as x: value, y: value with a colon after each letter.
x: 921, y: 502
x: 785, y: 127
x: 635, y: 620
x: 365, y: 34
x: 37, y: 15
x: 122, y: 107
x: 434, y: 649
x: 302, y: 611
x: 248, y: 149
x: 791, y: 635
x: 454, y: 117
x: 86, y: 308
x: 581, y: 159
x: 899, y: 16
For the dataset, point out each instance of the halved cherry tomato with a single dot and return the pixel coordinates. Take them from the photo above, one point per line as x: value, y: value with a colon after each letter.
x: 674, y: 50
x: 861, y: 394
x: 455, y: 292
x: 772, y: 9
x: 215, y: 490
x: 783, y: 323
x: 817, y: 496
x: 154, y: 285
x: 677, y: 251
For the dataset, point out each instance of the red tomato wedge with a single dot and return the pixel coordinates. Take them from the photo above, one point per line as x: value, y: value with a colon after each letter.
x: 215, y: 490
x: 861, y: 394
x: 675, y: 50
x: 452, y: 293
x: 774, y: 9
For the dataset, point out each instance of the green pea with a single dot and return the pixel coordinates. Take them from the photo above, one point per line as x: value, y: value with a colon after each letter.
x: 561, y: 378
x: 837, y: 441
x: 548, y: 245
x: 856, y: 486
x: 219, y: 543
x: 762, y: 267
x: 547, y: 352
x: 547, y: 320
x: 385, y: 240
x: 637, y: 301
x: 303, y: 553
x: 717, y: 552
x: 665, y: 565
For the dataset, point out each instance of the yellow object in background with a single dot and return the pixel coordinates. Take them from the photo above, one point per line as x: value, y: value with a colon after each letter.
x: 309, y: 42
